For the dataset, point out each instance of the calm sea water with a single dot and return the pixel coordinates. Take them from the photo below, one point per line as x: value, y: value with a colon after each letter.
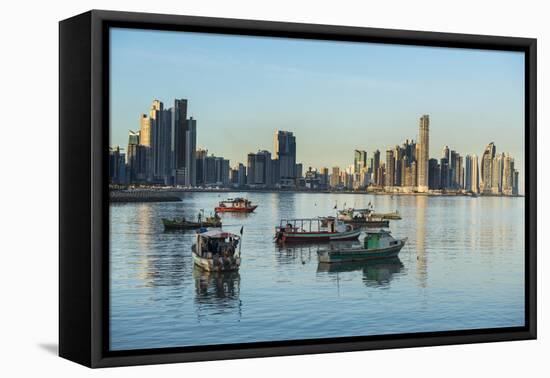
x: 463, y: 268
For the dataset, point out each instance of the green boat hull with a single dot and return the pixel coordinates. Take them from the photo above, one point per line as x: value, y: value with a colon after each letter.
x: 359, y: 254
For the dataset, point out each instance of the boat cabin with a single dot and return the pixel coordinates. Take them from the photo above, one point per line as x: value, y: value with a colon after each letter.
x: 379, y: 239
x: 216, y: 243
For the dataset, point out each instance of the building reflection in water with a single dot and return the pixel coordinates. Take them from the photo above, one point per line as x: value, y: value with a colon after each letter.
x: 376, y: 273
x: 161, y: 259
x: 421, y: 256
x: 217, y: 294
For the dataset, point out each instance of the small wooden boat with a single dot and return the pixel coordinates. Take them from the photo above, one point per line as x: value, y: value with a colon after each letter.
x: 216, y: 251
x: 235, y: 205
x: 376, y: 245
x: 183, y: 224
x: 393, y: 215
x: 314, y: 230
x: 362, y: 217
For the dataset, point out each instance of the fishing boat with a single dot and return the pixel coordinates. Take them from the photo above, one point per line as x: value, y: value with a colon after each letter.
x: 393, y: 215
x: 314, y: 230
x: 362, y: 217
x: 183, y: 224
x: 217, y: 251
x: 235, y: 205
x: 379, y: 244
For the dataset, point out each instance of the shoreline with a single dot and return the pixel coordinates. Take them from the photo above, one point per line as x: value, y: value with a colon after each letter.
x: 170, y: 194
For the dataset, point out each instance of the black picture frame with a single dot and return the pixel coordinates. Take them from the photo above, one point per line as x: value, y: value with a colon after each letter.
x: 83, y: 193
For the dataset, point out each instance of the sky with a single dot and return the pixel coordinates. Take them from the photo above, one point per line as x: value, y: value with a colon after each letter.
x: 335, y: 96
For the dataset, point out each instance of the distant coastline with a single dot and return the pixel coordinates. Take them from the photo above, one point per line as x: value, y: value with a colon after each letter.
x: 164, y: 194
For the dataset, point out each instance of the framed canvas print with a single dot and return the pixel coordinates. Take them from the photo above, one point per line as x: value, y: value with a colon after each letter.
x: 235, y: 188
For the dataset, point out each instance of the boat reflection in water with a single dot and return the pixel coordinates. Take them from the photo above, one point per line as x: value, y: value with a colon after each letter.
x: 217, y: 293
x: 376, y: 272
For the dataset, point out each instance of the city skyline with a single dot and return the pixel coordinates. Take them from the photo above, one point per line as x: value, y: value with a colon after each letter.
x: 482, y: 93
x: 164, y: 151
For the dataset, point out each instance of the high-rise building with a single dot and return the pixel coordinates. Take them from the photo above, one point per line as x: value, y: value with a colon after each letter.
x: 475, y: 174
x: 237, y: 176
x: 242, y: 175
x: 285, y: 152
x: 222, y: 171
x: 190, y: 152
x: 423, y: 157
x: 335, y: 177
x: 445, y: 173
x: 359, y: 160
x: 460, y: 172
x: 324, y: 178
x: 376, y: 168
x: 390, y: 168
x: 161, y: 150
x: 515, y: 184
x: 414, y: 174
x: 469, y: 172
x: 496, y: 176
x: 259, y: 169
x: 299, y: 170
x: 211, y: 176
x: 132, y: 156
x: 405, y: 171
x: 200, y: 166
x: 179, y: 141
x: 486, y: 168
x: 454, y: 170
x: 508, y: 175
x: 117, y: 166
x: 434, y: 174
x: 145, y: 140
x: 398, y: 155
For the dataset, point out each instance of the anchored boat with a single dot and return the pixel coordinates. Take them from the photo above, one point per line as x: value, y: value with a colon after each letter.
x: 235, y: 205
x: 183, y: 224
x: 314, y: 230
x: 376, y: 245
x: 216, y: 251
x: 362, y: 217
x: 393, y: 215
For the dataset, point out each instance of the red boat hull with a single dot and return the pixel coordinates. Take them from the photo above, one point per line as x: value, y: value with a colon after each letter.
x: 235, y: 209
x: 319, y: 236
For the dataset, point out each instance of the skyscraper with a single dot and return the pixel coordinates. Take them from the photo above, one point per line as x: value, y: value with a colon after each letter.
x: 145, y: 140
x: 179, y: 135
x: 475, y: 174
x: 161, y: 153
x: 335, y: 177
x: 424, y: 153
x: 445, y: 173
x: 434, y: 175
x: 285, y: 152
x: 359, y: 160
x: 200, y: 166
x: 508, y: 175
x: 468, y: 173
x: 117, y: 166
x: 398, y: 156
x: 487, y: 167
x: 259, y: 169
x: 132, y: 157
x: 190, y: 150
x: 376, y: 168
x: 496, y: 176
x: 390, y: 168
